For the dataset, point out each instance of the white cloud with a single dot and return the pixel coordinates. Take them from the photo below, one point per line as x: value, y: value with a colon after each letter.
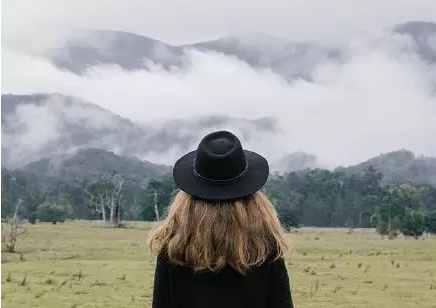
x: 380, y: 99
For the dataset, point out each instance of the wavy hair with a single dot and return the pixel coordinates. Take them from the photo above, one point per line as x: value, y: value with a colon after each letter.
x: 209, y: 235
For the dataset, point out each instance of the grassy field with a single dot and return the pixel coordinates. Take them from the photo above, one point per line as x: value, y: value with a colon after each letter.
x: 81, y: 265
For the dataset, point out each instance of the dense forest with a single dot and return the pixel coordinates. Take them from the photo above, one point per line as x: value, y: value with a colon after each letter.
x: 99, y: 185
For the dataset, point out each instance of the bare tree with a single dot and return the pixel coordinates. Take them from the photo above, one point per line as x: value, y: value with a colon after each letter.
x: 107, y: 199
x: 156, y: 189
x: 114, y: 196
x: 16, y: 228
x: 97, y: 200
x: 156, y: 210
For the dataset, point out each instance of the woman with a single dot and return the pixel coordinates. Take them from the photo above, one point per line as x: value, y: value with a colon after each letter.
x: 221, y: 244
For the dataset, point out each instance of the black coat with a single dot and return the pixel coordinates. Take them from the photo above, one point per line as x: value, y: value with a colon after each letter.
x: 266, y: 286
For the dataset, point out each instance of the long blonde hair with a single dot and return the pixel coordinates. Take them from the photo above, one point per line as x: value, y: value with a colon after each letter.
x: 208, y: 235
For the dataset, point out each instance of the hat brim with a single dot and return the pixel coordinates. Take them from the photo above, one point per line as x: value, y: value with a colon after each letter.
x: 255, y: 178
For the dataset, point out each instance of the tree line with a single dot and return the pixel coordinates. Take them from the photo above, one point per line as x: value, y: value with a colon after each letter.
x: 326, y: 198
x: 312, y: 197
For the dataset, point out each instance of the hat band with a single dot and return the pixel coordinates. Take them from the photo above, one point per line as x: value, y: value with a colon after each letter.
x: 240, y: 175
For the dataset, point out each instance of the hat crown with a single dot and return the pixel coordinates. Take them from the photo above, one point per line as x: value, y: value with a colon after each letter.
x: 220, y: 169
x: 220, y: 157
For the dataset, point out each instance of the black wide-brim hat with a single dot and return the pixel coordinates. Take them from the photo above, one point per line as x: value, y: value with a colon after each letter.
x: 220, y: 169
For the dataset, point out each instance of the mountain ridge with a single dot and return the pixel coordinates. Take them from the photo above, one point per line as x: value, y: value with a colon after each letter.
x: 399, y: 166
x: 106, y: 47
x: 66, y: 124
x: 91, y: 164
x: 289, y: 59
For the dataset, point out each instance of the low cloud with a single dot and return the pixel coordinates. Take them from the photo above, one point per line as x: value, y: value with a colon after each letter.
x: 379, y: 98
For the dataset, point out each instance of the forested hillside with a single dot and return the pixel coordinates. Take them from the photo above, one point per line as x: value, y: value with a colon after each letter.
x: 80, y: 178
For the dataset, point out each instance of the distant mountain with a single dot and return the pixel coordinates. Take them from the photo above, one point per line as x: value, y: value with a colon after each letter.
x: 423, y: 34
x: 49, y: 127
x: 89, y: 48
x: 91, y: 164
x: 43, y: 125
x: 132, y: 52
x: 400, y: 166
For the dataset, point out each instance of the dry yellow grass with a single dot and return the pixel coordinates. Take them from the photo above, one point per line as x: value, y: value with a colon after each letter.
x: 80, y: 265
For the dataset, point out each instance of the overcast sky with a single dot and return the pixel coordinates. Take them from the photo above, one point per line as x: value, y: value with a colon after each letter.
x: 178, y: 21
x: 379, y: 100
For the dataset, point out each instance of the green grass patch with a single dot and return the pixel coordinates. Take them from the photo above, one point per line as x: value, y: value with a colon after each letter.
x: 78, y: 264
